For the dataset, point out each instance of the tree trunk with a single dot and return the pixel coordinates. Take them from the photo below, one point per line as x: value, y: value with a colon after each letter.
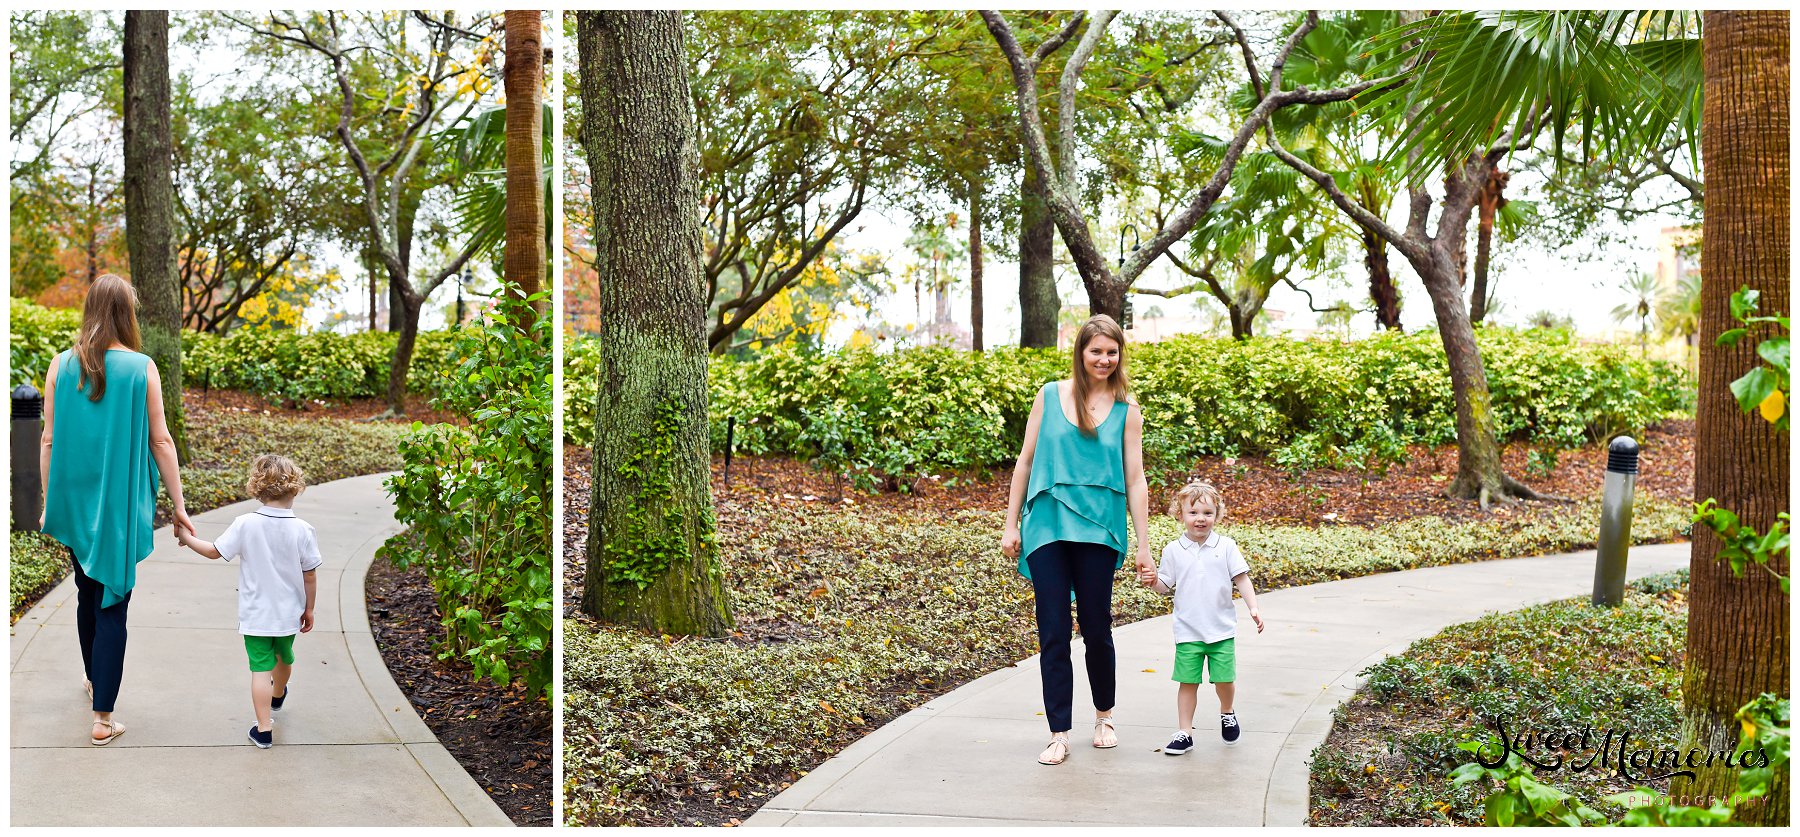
x: 653, y: 558
x: 1737, y: 641
x: 1381, y: 280
x: 975, y: 308
x: 524, y: 257
x: 374, y: 289
x: 1478, y: 469
x: 408, y: 307
x: 1492, y: 198
x: 150, y: 205
x: 1039, y: 303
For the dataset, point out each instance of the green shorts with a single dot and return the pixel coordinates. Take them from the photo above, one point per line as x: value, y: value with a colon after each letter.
x: 264, y: 650
x: 1193, y: 658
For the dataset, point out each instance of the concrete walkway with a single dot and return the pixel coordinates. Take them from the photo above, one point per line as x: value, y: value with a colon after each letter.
x: 969, y: 757
x: 349, y: 750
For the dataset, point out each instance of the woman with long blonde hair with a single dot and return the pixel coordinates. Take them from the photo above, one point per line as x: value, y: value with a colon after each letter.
x: 104, y: 402
x: 1080, y: 475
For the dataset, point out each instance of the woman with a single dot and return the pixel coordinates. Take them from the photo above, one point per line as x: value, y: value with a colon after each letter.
x: 1081, y: 467
x: 103, y: 399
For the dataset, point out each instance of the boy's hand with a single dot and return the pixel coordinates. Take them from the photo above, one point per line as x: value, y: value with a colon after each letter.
x: 1147, y: 577
x: 1256, y: 616
x: 306, y: 621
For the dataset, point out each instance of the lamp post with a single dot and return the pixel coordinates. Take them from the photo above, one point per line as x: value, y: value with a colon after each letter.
x: 1136, y: 242
x: 1615, y: 521
x: 464, y: 279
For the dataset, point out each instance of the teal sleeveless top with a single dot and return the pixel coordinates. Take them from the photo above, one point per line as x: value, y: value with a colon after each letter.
x: 1077, y: 488
x: 101, y: 497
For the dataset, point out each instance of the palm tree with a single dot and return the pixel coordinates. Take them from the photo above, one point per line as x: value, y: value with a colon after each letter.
x: 527, y: 171
x: 480, y: 164
x: 1678, y: 312
x: 1643, y: 290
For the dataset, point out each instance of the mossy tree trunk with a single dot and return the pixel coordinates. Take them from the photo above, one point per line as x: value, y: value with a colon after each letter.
x: 1737, y: 642
x: 1039, y: 303
x: 150, y: 205
x: 653, y: 559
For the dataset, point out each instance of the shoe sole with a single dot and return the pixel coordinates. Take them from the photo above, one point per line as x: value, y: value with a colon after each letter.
x: 1169, y: 752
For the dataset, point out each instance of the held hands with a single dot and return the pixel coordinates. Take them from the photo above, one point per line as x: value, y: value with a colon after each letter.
x: 306, y: 621
x: 1146, y: 568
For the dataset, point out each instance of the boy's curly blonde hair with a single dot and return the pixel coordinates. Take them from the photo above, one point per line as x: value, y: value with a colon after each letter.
x: 1195, y: 491
x: 275, y: 478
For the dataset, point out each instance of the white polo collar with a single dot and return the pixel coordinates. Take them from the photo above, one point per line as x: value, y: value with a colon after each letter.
x: 1212, y: 540
x: 273, y: 511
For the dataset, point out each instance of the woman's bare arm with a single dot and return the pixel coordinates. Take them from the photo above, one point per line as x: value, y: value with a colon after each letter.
x: 162, y: 448
x: 49, y: 424
x: 1137, y: 489
x: 1021, y: 478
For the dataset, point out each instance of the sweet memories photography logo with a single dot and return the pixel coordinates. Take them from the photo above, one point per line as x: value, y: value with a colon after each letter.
x: 1577, y: 749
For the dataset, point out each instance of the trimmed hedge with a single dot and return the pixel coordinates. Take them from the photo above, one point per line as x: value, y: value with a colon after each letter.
x: 1303, y: 403
x: 278, y: 364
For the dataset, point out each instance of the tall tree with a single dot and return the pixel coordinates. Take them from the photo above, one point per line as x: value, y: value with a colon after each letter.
x: 389, y: 149
x: 1107, y: 287
x: 1737, y: 641
x: 1455, y: 112
x: 652, y: 552
x: 150, y: 205
x: 524, y: 74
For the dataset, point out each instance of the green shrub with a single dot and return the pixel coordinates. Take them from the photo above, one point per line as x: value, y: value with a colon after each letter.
x: 38, y: 334
x: 478, y: 499
x: 278, y: 364
x: 1304, y: 403
x: 37, y: 563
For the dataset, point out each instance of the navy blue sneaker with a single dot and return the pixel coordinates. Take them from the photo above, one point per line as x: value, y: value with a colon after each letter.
x: 1179, y: 745
x: 275, y: 702
x: 262, y: 739
x: 1228, y: 727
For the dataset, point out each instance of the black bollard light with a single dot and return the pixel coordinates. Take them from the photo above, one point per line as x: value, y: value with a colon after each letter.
x: 27, y: 479
x: 1615, y: 521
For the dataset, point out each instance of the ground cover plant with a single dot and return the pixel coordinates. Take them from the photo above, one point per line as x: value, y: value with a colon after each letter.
x: 851, y: 613
x: 1563, y: 664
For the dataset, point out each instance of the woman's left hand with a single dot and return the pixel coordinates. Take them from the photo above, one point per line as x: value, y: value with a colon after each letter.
x: 182, y: 522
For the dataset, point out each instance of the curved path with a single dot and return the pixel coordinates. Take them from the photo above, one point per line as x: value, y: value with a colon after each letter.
x: 349, y: 750
x: 969, y: 757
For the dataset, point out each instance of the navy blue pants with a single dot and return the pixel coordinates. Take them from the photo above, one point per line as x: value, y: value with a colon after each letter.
x: 1057, y: 568
x: 102, y: 632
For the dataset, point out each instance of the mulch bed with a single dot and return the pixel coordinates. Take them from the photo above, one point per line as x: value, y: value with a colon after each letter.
x: 501, y: 735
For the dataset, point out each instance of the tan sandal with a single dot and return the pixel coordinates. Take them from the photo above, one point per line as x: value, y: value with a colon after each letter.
x: 115, y: 729
x: 1057, y: 752
x: 1105, y: 737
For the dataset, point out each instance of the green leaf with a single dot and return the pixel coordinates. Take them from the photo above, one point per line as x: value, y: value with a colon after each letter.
x: 1753, y: 387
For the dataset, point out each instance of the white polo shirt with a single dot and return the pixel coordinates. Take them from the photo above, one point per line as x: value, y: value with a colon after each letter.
x: 1200, y: 575
x: 276, y: 548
